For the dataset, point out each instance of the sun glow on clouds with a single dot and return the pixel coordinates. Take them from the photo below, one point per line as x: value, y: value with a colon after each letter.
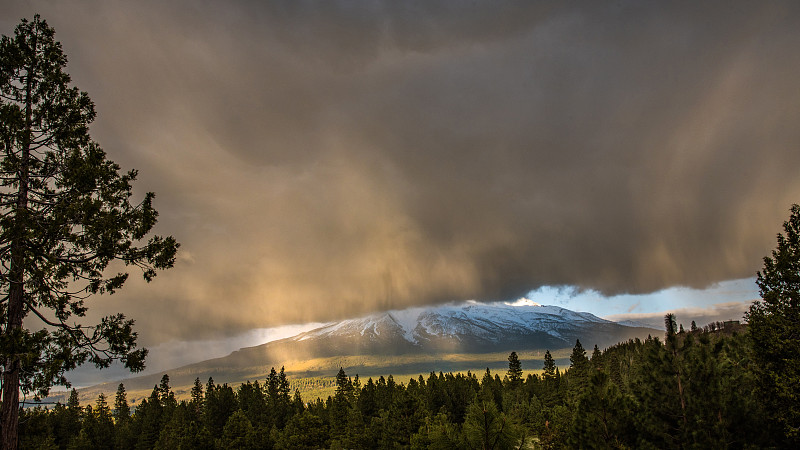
x: 324, y: 161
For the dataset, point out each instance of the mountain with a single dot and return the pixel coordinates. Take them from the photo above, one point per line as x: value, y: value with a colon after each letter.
x: 452, y: 337
x: 634, y: 323
x: 467, y: 327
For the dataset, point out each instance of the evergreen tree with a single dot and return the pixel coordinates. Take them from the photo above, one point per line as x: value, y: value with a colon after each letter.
x: 175, y: 432
x: 165, y: 394
x: 491, y: 388
x: 304, y: 430
x: 36, y: 430
x: 674, y: 362
x: 548, y: 390
x: 66, y: 421
x: 669, y: 324
x: 774, y: 327
x: 73, y: 403
x: 220, y: 405
x: 578, y: 360
x: 252, y: 402
x: 122, y: 410
x: 403, y: 418
x: 83, y: 440
x: 273, y: 389
x: 65, y: 216
x: 459, y: 391
x: 367, y: 401
x: 284, y: 399
x: 272, y: 386
x: 298, y: 406
x: 123, y: 432
x: 578, y: 374
x: 210, y: 386
x: 98, y: 425
x: 148, y: 420
x: 238, y: 433
x: 597, y: 358
x: 514, y: 370
x: 196, y: 402
x: 719, y: 407
x: 355, y: 433
x: 182, y: 431
x: 344, y: 386
x: 486, y: 428
x: 659, y: 389
x: 602, y: 417
x: 438, y: 433
x: 339, y: 408
x: 549, y: 366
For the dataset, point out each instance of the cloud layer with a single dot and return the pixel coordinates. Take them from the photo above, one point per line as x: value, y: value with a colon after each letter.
x: 320, y: 161
x: 702, y: 316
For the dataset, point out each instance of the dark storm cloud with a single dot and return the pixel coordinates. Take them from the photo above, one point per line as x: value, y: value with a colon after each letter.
x: 319, y: 160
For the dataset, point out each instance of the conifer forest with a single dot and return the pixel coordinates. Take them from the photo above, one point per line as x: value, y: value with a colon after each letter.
x: 697, y: 388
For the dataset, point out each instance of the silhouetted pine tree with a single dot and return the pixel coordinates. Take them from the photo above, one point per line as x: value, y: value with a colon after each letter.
x: 197, y: 398
x: 122, y: 411
x: 596, y: 358
x: 97, y: 431
x: 578, y: 375
x: 148, y: 420
x: 774, y: 328
x: 514, y: 370
x: 220, y: 405
x: 251, y: 400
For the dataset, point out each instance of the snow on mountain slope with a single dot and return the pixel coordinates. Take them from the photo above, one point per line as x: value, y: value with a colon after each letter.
x: 477, y: 326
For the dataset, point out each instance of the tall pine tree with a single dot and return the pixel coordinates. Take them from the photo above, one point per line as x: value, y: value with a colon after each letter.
x: 549, y: 366
x: 122, y: 411
x: 514, y: 370
x: 65, y: 214
x: 578, y: 375
x: 774, y: 327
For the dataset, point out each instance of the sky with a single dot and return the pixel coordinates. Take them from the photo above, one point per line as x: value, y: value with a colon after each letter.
x: 325, y: 160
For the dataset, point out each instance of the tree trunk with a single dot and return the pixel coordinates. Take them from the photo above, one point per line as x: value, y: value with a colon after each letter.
x: 10, y: 406
x: 680, y: 385
x: 9, y: 410
x: 683, y: 400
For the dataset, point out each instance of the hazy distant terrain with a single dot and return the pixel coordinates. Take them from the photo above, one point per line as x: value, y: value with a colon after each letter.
x: 316, y: 377
x: 459, y: 337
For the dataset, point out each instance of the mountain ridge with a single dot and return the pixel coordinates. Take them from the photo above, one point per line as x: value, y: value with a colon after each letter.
x: 467, y: 326
x: 450, y: 337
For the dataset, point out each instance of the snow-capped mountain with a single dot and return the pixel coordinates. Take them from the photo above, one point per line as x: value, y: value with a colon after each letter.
x: 414, y: 340
x: 463, y: 327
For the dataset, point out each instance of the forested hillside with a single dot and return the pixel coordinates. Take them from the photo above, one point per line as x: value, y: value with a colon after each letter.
x: 695, y: 388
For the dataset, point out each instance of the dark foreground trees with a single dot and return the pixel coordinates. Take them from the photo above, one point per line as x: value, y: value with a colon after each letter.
x: 628, y: 398
x: 65, y: 214
x: 774, y: 323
